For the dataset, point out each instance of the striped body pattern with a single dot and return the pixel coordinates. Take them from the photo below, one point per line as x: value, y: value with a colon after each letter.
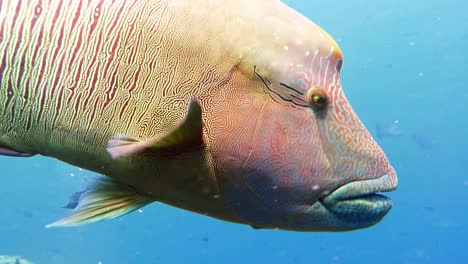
x: 74, y: 74
x: 282, y: 147
x: 93, y: 64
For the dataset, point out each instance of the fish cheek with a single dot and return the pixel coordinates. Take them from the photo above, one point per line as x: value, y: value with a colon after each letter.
x: 280, y: 177
x: 288, y: 153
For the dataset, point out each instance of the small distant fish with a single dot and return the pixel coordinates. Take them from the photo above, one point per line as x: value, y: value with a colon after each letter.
x: 392, y: 130
x: 27, y: 214
x: 404, y: 233
x: 423, y: 142
x: 388, y: 66
x: 73, y: 201
x: 411, y: 34
x: 205, y: 239
x: 429, y: 208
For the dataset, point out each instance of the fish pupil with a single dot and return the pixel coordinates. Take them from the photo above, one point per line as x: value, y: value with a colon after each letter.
x: 319, y: 102
x: 318, y: 99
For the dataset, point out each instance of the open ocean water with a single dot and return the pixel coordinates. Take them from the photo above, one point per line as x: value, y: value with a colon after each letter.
x: 406, y: 75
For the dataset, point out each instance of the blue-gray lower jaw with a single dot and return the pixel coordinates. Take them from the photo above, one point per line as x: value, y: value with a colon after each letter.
x: 358, y: 212
x: 357, y: 205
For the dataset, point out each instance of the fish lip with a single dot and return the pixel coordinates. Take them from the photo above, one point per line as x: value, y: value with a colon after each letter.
x: 357, y: 204
x: 363, y: 188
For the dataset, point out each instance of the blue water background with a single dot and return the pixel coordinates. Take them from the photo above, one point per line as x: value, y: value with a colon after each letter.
x: 404, y: 60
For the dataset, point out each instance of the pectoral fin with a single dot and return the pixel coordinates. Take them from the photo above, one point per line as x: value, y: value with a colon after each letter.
x: 188, y: 132
x: 6, y: 151
x: 103, y: 199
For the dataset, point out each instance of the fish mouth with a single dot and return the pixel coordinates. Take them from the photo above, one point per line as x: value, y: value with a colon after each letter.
x: 358, y: 204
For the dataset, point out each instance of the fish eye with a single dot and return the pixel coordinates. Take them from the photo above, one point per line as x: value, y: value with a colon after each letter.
x: 317, y: 98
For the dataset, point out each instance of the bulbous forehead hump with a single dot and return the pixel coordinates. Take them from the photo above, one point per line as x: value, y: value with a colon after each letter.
x: 285, y: 38
x: 298, y: 34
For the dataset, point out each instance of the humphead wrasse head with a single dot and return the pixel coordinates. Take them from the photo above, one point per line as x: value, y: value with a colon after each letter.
x: 289, y: 150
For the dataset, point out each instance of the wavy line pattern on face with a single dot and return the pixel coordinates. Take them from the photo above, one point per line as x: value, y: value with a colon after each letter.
x: 304, y: 160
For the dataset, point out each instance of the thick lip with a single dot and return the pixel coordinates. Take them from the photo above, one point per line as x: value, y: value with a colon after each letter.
x: 357, y: 205
x: 363, y: 188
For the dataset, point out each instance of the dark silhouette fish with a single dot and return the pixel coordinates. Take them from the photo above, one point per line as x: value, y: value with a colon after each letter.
x: 394, y: 130
x: 73, y: 200
x: 423, y: 142
x: 389, y: 130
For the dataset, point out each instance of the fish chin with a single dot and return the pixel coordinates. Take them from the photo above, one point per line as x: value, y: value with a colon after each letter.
x: 357, y: 205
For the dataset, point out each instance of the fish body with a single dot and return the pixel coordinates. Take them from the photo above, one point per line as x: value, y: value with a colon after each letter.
x: 232, y: 109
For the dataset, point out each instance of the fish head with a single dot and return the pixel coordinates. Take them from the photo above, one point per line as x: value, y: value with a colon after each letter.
x: 290, y: 151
